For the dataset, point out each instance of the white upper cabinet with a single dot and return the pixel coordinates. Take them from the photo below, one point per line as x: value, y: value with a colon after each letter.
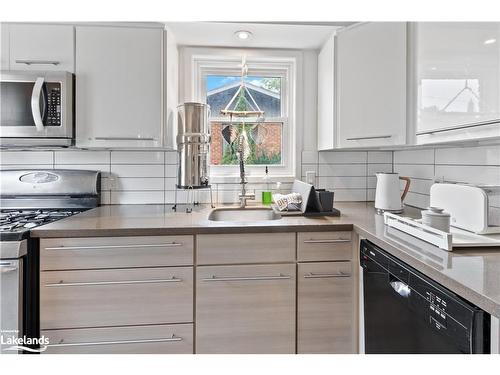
x: 119, y: 87
x: 457, y: 69
x: 371, y: 85
x: 326, y: 95
x: 4, y: 46
x: 41, y: 47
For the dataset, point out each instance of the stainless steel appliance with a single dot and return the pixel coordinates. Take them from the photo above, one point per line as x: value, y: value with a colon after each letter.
x: 405, y: 312
x: 193, y: 140
x: 30, y: 198
x: 36, y: 108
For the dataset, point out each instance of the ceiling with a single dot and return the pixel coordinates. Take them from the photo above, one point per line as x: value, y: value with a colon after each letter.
x: 264, y: 35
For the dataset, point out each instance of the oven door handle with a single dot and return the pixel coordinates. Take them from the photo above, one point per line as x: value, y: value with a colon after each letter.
x: 35, y: 103
x: 7, y: 267
x: 401, y: 288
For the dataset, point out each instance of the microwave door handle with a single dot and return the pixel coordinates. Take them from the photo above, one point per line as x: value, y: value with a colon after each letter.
x: 35, y: 103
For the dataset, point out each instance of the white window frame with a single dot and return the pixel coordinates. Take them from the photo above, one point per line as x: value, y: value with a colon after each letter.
x: 259, y: 64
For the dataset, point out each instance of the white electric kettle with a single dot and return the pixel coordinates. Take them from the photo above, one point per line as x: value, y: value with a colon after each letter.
x: 387, y: 196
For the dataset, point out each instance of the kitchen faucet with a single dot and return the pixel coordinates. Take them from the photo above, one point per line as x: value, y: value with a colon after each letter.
x: 243, y: 195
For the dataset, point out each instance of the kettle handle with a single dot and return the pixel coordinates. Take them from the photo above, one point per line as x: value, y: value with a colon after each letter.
x: 407, y: 187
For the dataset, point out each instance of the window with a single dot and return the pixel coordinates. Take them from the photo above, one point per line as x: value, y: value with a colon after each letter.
x: 264, y: 137
x: 268, y: 87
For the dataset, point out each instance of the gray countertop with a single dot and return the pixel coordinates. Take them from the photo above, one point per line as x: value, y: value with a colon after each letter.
x: 473, y: 274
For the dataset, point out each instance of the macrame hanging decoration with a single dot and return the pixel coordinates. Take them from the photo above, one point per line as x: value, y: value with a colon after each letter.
x: 243, y: 106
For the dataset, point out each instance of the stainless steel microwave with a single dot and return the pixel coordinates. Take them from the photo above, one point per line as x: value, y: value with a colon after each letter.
x: 36, y: 108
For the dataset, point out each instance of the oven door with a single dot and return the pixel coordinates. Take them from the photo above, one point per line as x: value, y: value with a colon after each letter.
x: 36, y: 108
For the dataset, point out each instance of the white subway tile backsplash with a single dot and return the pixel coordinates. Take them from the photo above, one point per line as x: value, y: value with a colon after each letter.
x: 137, y: 197
x: 137, y: 157
x: 421, y: 156
x: 26, y: 157
x: 481, y: 155
x: 103, y: 168
x: 138, y: 177
x: 171, y: 157
x: 26, y: 166
x: 332, y: 170
x: 137, y: 170
x: 468, y: 173
x: 375, y: 168
x: 134, y: 183
x: 415, y: 170
x: 342, y: 157
x: 81, y: 157
x: 170, y: 170
x: 333, y: 183
x: 346, y: 195
x: 380, y: 157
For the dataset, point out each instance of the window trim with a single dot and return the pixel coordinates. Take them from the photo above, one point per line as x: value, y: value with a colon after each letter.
x: 262, y: 64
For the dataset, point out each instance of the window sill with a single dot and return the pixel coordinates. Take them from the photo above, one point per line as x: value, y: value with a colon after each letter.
x: 235, y: 179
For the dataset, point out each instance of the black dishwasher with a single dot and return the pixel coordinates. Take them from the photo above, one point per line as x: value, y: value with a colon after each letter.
x: 405, y: 312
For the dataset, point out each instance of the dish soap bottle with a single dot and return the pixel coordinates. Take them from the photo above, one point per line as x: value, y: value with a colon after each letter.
x: 267, y: 195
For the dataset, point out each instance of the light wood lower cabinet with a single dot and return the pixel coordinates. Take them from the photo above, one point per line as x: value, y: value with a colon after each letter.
x: 114, y: 297
x: 325, y: 313
x: 245, y: 309
x: 156, y: 339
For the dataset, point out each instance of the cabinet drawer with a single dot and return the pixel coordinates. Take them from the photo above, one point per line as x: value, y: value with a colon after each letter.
x: 319, y: 246
x: 157, y: 339
x: 325, y: 315
x: 245, y: 248
x: 245, y: 309
x: 98, y: 298
x: 115, y: 252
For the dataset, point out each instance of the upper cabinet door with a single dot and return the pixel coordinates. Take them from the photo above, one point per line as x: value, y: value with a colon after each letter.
x: 42, y: 47
x: 371, y: 85
x: 119, y: 87
x: 457, y: 80
x: 326, y: 95
x: 4, y: 46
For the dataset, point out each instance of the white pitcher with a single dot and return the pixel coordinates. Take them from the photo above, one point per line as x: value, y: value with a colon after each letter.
x: 387, y: 195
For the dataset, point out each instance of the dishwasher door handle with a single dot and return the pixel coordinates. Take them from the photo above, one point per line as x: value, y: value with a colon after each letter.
x: 401, y: 288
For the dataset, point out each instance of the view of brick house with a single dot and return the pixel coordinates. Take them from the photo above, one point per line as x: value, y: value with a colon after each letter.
x: 265, y: 138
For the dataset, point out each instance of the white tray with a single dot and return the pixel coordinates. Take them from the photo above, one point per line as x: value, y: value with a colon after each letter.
x: 446, y: 241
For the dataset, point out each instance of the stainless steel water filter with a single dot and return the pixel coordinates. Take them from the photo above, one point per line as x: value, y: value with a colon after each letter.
x: 193, y: 140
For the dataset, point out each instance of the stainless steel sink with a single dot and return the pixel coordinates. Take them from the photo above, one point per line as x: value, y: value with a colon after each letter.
x: 243, y: 214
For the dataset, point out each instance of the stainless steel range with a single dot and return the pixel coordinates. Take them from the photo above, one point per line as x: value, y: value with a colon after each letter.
x: 28, y: 199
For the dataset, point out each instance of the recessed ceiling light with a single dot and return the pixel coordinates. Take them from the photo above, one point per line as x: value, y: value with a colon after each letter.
x: 489, y: 41
x: 243, y: 34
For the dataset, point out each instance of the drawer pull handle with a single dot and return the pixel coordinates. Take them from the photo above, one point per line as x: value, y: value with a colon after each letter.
x: 108, y: 247
x: 340, y: 240
x: 311, y: 275
x: 248, y: 278
x: 90, y: 283
x: 37, y: 62
x: 169, y: 339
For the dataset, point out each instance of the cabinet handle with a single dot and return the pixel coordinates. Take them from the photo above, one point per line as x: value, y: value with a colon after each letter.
x: 451, y: 128
x: 7, y: 267
x: 108, y: 247
x: 247, y: 278
x: 373, y: 137
x: 37, y: 62
x: 169, y: 339
x: 124, y: 139
x: 340, y: 240
x: 90, y: 283
x: 311, y: 275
